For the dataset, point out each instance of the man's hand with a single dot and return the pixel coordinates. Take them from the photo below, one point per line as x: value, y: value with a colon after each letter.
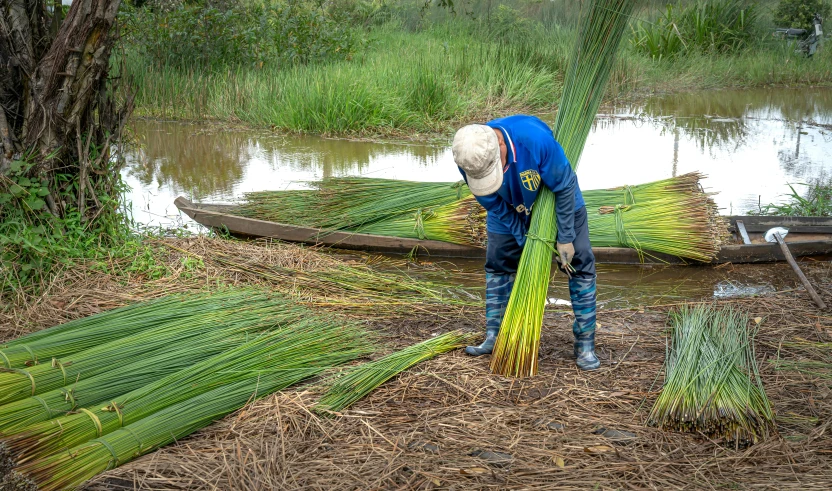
x: 565, y: 254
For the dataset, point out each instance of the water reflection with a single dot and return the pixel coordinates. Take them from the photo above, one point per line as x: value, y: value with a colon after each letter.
x: 750, y: 143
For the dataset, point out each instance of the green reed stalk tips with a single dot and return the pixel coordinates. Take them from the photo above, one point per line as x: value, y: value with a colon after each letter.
x: 365, y: 378
x: 310, y: 343
x: 350, y: 202
x: 712, y: 383
x: 599, y: 36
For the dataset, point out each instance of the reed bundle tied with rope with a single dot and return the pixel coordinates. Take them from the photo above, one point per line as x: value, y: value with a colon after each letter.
x: 359, y: 381
x: 241, y: 310
x: 712, y: 383
x: 114, y: 382
x: 347, y: 203
x: 307, y: 346
x: 80, y: 334
x: 66, y: 470
x: 599, y: 36
x: 672, y: 216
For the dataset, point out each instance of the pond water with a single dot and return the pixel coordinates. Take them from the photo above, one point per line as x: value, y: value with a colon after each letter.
x: 749, y: 143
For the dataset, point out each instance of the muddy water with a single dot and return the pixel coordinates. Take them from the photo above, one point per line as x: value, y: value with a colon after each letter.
x: 626, y: 286
x: 751, y: 144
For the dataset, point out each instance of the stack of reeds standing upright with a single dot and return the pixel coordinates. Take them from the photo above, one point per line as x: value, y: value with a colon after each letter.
x: 712, y: 385
x: 599, y: 36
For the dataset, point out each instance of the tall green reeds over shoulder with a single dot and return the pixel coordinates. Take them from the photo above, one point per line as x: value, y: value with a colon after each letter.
x: 599, y: 36
x: 312, y: 344
x: 67, y: 470
x: 243, y: 309
x: 712, y: 383
x: 365, y: 378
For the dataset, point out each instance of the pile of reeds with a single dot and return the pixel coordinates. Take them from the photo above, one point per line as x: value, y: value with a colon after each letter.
x: 599, y: 36
x: 672, y: 216
x: 359, y: 381
x: 349, y: 203
x: 712, y: 383
x: 197, y: 358
x: 374, y: 286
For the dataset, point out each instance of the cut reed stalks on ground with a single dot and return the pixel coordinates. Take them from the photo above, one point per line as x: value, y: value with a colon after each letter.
x: 67, y: 470
x: 314, y: 343
x: 243, y: 309
x: 114, y: 382
x: 78, y: 335
x: 359, y: 381
x: 349, y: 287
x: 712, y: 384
x: 599, y: 36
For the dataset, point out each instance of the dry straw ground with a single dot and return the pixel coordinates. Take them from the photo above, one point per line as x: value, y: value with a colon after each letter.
x: 449, y: 424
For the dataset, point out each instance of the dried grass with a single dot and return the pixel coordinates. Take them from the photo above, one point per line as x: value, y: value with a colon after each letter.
x: 429, y: 428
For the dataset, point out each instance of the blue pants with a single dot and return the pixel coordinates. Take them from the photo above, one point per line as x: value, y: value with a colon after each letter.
x: 503, y: 257
x: 503, y: 252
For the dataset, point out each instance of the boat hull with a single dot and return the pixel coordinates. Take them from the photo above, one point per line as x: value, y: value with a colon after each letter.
x: 809, y: 236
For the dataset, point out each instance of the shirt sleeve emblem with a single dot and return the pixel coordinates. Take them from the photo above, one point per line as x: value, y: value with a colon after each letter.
x: 530, y: 179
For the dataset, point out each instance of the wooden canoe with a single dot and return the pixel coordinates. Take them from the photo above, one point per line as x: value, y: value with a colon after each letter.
x: 808, y: 236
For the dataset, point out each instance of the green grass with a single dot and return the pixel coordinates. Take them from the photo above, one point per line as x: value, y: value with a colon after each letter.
x: 816, y: 202
x: 432, y: 80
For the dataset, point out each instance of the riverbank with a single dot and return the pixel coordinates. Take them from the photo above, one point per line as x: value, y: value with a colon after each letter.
x: 426, y: 83
x: 449, y: 422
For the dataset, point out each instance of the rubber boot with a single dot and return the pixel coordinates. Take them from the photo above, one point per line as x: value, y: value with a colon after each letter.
x: 583, y: 294
x: 497, y: 292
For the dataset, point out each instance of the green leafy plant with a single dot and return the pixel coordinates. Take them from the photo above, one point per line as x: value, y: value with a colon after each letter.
x: 817, y: 202
x: 33, y: 238
x: 254, y: 34
x: 800, y: 13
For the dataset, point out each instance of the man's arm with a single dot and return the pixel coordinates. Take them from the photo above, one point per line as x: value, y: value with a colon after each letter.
x: 557, y: 175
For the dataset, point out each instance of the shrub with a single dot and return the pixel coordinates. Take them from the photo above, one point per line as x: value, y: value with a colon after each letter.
x: 800, y: 13
x: 234, y: 34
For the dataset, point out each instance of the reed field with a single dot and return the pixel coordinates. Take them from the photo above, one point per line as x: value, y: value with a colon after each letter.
x: 415, y: 76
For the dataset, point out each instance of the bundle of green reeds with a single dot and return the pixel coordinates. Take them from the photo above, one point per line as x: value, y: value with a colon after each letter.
x: 66, y: 470
x: 311, y: 344
x: 87, y: 332
x: 712, y: 384
x: 683, y: 221
x: 599, y: 36
x: 242, y: 310
x: 349, y: 202
x: 130, y: 375
x: 365, y: 378
x: 459, y: 222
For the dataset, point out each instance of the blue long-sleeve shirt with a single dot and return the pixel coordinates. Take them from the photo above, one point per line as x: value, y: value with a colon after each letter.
x: 534, y: 157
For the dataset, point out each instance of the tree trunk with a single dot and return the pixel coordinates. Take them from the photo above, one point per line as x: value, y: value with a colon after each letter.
x: 54, y: 95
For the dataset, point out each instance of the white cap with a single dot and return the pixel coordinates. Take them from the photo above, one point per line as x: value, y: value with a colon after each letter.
x: 477, y: 151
